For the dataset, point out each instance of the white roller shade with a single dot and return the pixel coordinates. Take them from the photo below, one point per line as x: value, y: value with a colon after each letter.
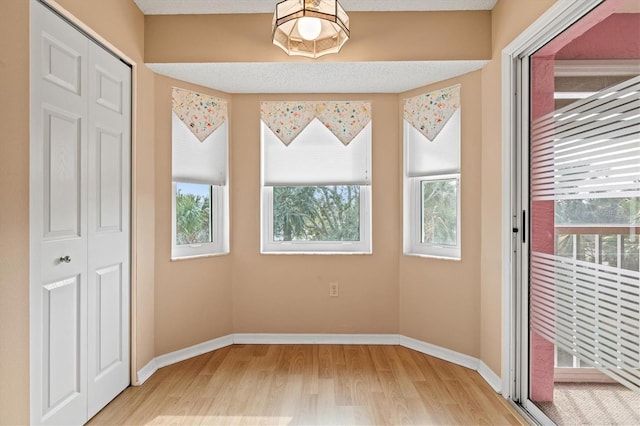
x: 440, y: 156
x: 198, y: 162
x: 316, y: 157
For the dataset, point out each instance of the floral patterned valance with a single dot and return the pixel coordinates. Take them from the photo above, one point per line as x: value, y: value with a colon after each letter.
x: 202, y: 114
x: 344, y: 119
x: 429, y: 113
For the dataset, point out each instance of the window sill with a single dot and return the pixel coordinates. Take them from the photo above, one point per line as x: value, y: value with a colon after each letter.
x: 198, y: 256
x: 319, y: 253
x: 432, y: 256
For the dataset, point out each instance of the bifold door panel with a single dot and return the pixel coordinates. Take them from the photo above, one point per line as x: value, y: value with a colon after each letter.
x: 79, y: 222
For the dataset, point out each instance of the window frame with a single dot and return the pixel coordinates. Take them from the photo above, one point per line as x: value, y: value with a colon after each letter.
x: 269, y: 246
x: 413, y: 205
x: 218, y: 221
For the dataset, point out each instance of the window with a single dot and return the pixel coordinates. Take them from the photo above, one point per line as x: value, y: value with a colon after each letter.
x: 199, y: 170
x: 316, y: 213
x: 439, y: 220
x: 328, y: 218
x: 316, y: 188
x: 198, y: 219
x: 193, y: 213
x: 432, y: 174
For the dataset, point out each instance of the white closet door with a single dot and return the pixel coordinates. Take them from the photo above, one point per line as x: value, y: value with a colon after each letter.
x: 108, y: 227
x: 79, y: 191
x: 58, y: 231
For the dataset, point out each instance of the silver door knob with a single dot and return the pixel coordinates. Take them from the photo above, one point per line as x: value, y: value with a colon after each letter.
x: 65, y: 259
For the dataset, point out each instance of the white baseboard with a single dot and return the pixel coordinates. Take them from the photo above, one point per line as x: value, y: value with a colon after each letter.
x: 490, y: 377
x: 195, y: 350
x: 323, y: 339
x: 312, y: 339
x: 147, y: 371
x: 440, y: 352
x: 173, y: 357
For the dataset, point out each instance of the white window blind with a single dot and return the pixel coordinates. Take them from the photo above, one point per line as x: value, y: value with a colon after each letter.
x: 437, y: 157
x: 590, y: 311
x: 316, y: 157
x: 432, y: 138
x: 198, y: 162
x: 589, y: 150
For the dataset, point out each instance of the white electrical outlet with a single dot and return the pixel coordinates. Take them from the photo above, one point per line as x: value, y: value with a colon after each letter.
x: 333, y: 289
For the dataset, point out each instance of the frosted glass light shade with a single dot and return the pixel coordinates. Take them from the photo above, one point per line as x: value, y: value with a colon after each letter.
x: 290, y: 29
x: 309, y: 27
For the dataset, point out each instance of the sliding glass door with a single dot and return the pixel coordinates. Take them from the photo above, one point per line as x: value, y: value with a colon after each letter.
x: 580, y: 281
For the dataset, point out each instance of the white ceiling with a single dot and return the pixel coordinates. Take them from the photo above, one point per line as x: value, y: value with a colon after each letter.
x: 312, y: 77
x: 177, y: 7
x: 317, y: 77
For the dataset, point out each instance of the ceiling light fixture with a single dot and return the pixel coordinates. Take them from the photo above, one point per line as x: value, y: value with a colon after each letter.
x: 310, y: 28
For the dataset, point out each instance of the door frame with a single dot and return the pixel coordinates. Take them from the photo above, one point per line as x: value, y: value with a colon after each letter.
x: 77, y: 23
x: 515, y: 137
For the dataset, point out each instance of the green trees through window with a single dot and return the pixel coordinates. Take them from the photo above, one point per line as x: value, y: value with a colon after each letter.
x: 193, y: 214
x: 440, y: 211
x: 610, y: 242
x: 598, y: 211
x: 316, y: 213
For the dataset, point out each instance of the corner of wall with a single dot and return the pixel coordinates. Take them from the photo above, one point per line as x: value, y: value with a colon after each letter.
x: 14, y: 214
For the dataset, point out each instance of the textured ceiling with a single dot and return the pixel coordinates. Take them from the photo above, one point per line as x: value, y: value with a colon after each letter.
x: 312, y: 77
x: 320, y: 77
x: 177, y: 7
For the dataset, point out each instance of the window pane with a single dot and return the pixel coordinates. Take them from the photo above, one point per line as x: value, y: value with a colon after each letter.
x: 193, y: 214
x: 316, y: 213
x: 440, y: 212
x: 605, y: 229
x: 598, y: 211
x: 609, y: 250
x: 631, y: 252
x: 586, y: 248
x: 564, y: 245
x: 564, y: 358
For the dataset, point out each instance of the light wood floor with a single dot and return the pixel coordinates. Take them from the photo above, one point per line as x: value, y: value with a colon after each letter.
x: 308, y: 385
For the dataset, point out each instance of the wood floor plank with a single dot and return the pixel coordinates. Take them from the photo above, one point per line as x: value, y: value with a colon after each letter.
x: 214, y: 361
x: 399, y: 413
x: 397, y: 368
x: 409, y: 364
x: 359, y: 379
x: 370, y: 370
x: 435, y: 388
x: 342, y: 386
x: 380, y: 408
x: 325, y: 365
x: 311, y: 385
x: 290, y: 407
x: 222, y: 400
x: 379, y: 357
x: 276, y: 394
x: 326, y: 402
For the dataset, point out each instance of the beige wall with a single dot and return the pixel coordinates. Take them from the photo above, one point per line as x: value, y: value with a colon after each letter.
x: 120, y: 23
x: 382, y: 293
x: 290, y: 293
x: 509, y: 19
x: 188, y: 302
x: 440, y: 299
x: 192, y: 296
x: 14, y: 212
x: 406, y: 36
